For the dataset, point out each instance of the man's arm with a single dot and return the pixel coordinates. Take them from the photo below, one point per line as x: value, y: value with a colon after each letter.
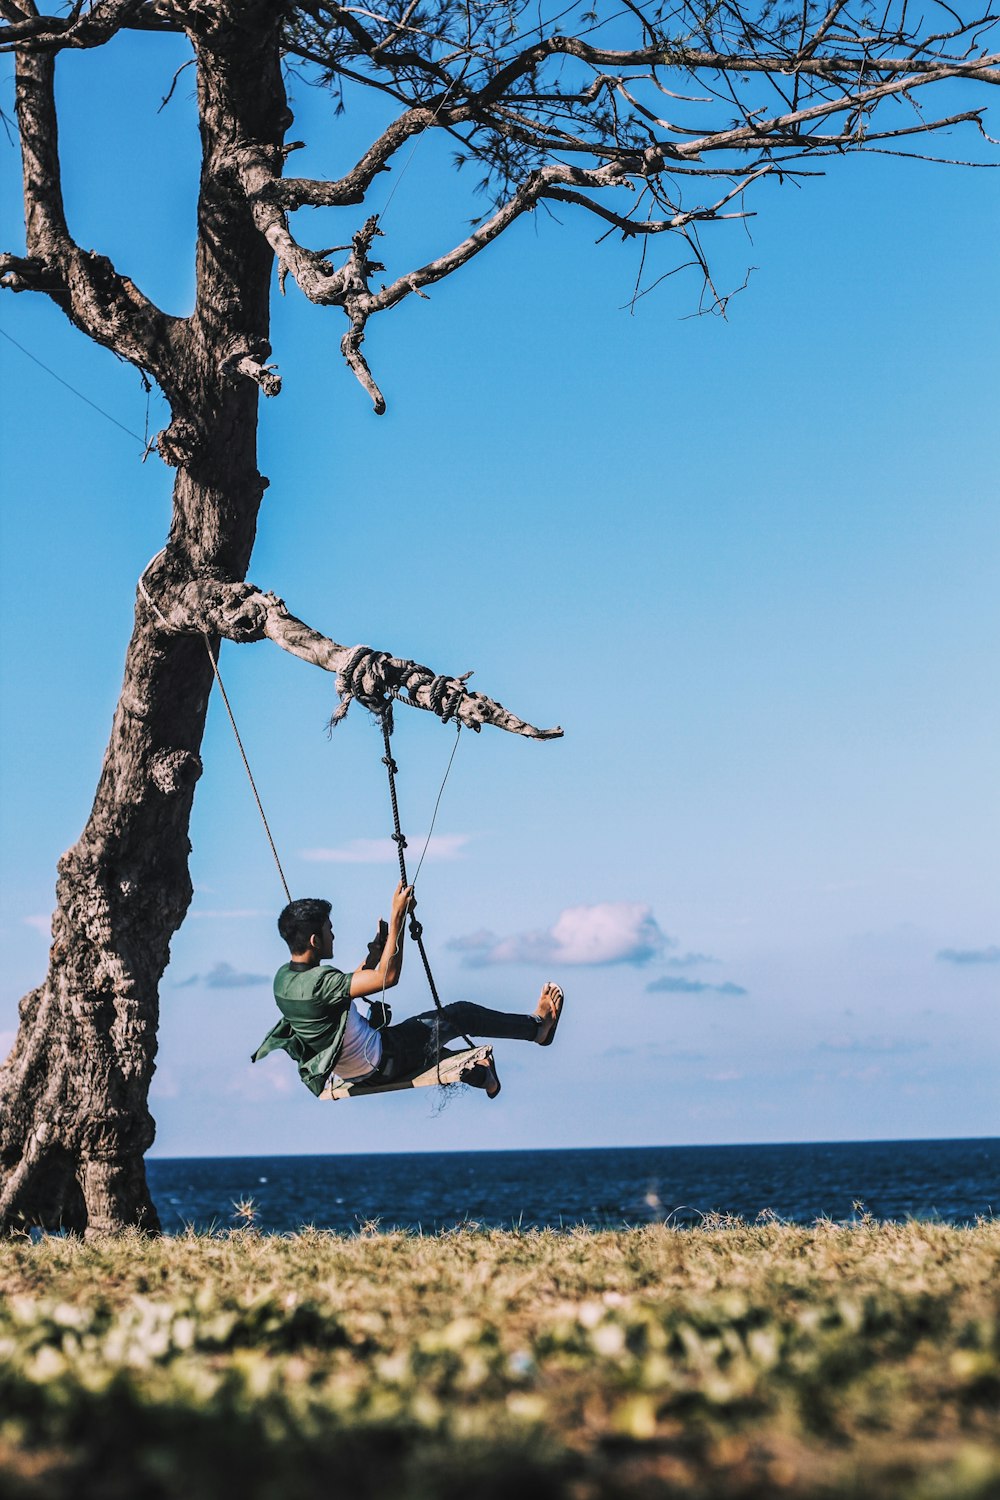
x: 385, y: 976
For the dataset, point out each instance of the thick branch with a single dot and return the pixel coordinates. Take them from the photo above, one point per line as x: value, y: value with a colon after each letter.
x: 836, y: 67
x: 757, y: 133
x: 526, y: 197
x: 241, y: 612
x: 90, y: 28
x: 107, y: 306
x: 264, y: 187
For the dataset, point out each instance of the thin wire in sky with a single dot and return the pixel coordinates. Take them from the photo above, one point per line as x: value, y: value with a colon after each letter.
x: 74, y: 390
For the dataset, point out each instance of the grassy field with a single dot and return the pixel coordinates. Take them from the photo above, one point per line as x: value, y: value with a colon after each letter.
x: 726, y: 1361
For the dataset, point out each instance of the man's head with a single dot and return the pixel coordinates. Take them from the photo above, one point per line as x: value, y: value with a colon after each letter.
x: 302, y: 925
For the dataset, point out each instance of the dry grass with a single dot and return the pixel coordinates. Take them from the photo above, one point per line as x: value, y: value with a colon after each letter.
x: 727, y: 1361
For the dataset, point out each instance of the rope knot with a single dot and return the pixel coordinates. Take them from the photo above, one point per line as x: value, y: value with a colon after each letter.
x: 447, y: 694
x: 364, y: 678
x: 376, y: 679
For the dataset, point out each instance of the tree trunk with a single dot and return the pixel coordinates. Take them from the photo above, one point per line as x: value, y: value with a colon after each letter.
x: 76, y: 1122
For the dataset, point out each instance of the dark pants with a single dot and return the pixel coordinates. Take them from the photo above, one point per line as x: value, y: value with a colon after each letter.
x: 415, y: 1045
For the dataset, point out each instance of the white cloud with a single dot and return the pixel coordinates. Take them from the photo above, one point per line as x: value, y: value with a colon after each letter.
x: 383, y: 851
x: 41, y: 923
x: 611, y: 932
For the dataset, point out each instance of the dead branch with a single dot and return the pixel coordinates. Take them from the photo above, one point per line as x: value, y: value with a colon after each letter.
x: 81, y: 28
x: 243, y: 362
x: 691, y: 60
x: 106, y: 305
x: 375, y: 679
x: 271, y: 195
x: 528, y: 134
x: 779, y: 126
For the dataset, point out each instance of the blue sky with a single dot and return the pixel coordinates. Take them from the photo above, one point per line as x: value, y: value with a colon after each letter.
x: 749, y: 565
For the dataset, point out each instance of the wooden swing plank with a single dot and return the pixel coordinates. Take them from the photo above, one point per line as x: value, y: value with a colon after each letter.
x: 448, y: 1069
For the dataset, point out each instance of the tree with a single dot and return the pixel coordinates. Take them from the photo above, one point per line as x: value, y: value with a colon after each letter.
x: 546, y: 121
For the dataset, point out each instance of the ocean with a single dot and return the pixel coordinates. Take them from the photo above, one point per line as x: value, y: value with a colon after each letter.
x: 952, y: 1181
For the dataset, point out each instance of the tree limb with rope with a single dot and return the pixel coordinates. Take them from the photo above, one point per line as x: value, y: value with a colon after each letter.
x: 675, y: 122
x: 242, y: 613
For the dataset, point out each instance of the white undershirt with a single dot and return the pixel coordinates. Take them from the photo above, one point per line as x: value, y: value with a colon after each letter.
x: 361, y: 1050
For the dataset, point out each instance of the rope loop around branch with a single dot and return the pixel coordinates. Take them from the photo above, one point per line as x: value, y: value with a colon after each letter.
x: 363, y: 678
x: 376, y: 680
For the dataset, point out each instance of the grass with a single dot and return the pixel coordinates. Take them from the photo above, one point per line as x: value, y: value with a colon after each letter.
x: 728, y: 1361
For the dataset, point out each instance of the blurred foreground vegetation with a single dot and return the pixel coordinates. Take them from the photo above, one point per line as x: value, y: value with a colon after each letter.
x: 726, y: 1361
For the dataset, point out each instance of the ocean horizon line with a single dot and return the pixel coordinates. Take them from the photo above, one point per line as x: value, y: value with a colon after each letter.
x: 901, y: 1140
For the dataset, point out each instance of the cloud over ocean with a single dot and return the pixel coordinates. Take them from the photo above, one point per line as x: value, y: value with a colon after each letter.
x: 610, y: 932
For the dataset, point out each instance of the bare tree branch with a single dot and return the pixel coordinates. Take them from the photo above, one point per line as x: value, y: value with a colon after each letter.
x: 755, y: 134
x: 81, y: 28
x: 657, y: 226
x: 106, y: 305
x: 248, y: 363
x: 488, y: 88
x: 693, y: 60
x: 241, y: 612
x: 270, y: 194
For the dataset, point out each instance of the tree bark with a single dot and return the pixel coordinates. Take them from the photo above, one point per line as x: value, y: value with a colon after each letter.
x: 76, y: 1122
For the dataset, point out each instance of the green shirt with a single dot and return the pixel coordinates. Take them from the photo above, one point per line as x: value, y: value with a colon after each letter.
x: 314, y: 1005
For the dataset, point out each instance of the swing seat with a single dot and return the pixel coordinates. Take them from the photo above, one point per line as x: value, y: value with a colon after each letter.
x: 448, y: 1069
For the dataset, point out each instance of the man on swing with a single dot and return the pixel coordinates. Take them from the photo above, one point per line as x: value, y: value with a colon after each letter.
x: 324, y: 1032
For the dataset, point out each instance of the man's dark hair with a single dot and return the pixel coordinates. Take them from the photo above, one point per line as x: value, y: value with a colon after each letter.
x: 300, y: 919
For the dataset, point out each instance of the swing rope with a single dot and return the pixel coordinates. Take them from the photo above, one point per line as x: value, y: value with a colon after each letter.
x: 399, y: 839
x: 246, y: 765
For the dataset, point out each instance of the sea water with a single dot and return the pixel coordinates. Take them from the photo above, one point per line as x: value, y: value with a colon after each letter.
x: 954, y: 1181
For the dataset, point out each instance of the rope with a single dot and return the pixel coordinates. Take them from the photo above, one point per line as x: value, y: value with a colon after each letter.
x: 417, y: 140
x: 416, y: 929
x: 246, y: 765
x: 143, y: 442
x: 232, y: 717
x: 364, y: 678
x: 437, y: 804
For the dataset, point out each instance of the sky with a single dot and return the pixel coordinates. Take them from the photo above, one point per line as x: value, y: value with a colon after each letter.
x: 749, y: 564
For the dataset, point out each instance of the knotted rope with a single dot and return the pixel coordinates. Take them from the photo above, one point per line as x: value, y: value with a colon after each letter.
x: 375, y: 679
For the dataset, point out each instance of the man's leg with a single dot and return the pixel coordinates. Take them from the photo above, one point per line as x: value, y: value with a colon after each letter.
x: 416, y: 1044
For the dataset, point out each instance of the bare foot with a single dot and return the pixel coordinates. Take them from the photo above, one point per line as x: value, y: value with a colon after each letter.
x: 547, y: 1013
